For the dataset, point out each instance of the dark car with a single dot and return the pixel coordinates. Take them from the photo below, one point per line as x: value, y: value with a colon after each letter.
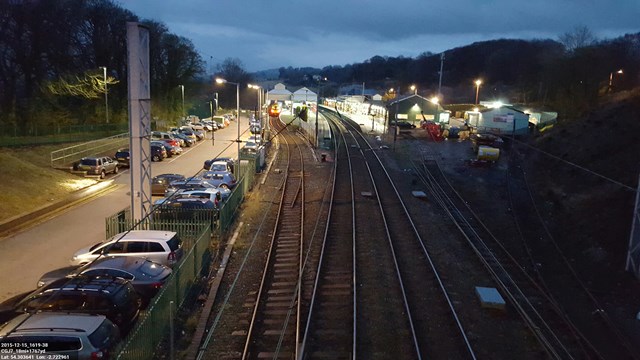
x: 146, y: 276
x: 164, y: 145
x: 188, y: 142
x: 230, y: 163
x: 110, y: 296
x: 158, y: 152
x: 123, y: 156
x: 61, y: 335
x: 404, y: 125
x: 161, y: 182
x: 183, y: 208
x: 188, y: 184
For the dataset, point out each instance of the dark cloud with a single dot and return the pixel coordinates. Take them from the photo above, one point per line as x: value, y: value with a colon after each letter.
x: 268, y: 34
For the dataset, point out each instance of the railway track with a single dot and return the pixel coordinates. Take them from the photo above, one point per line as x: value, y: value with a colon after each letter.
x: 275, y: 322
x: 553, y: 271
x: 541, y: 314
x: 396, y: 290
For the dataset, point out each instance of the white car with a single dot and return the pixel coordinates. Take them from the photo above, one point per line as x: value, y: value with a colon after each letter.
x: 163, y: 247
x: 257, y: 138
x: 250, y: 146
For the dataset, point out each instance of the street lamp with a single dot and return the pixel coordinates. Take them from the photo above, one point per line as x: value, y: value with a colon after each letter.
x: 106, y: 99
x: 434, y: 100
x: 414, y: 89
x: 223, y: 81
x: 182, y: 88
x: 213, y: 130
x: 611, y: 79
x: 257, y: 87
x: 478, y: 82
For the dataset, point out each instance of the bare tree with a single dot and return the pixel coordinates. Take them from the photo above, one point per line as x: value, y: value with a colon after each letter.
x: 579, y: 37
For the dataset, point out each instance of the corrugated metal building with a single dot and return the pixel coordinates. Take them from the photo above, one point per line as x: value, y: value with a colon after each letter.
x: 411, y: 108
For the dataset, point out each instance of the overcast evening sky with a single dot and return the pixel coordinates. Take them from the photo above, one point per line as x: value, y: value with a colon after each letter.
x: 267, y: 34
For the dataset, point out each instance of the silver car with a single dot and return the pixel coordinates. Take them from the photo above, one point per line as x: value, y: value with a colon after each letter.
x: 67, y: 335
x: 163, y: 247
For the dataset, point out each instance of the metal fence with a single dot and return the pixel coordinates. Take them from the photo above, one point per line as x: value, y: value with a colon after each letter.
x: 66, y: 156
x: 154, y: 323
x: 196, y: 228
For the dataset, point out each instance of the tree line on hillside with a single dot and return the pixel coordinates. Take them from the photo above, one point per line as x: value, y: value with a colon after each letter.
x: 566, y: 75
x: 53, y: 54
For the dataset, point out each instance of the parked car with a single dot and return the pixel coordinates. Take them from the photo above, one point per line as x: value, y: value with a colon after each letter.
x: 98, y: 166
x: 188, y: 184
x: 254, y: 129
x: 146, y: 276
x: 160, y: 183
x: 158, y: 152
x: 257, y: 138
x: 221, y: 166
x: 404, y: 124
x: 172, y: 146
x: 110, y: 296
x: 122, y: 156
x: 177, y: 208
x: 185, y: 139
x: 166, y: 147
x: 207, y: 194
x: 221, y: 179
x: 164, y: 247
x: 229, y: 161
x: 70, y: 336
x: 199, y: 134
x: 187, y: 131
x: 250, y: 146
x: 166, y: 137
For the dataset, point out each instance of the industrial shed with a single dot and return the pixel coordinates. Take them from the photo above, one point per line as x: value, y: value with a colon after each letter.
x: 279, y: 93
x: 499, y: 120
x: 414, y: 108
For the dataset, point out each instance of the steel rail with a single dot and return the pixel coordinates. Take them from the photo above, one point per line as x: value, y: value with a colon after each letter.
x: 325, y: 253
x: 296, y: 193
x: 541, y: 329
x: 544, y: 232
x: 369, y: 149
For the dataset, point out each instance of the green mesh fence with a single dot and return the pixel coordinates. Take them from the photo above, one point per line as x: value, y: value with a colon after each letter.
x: 153, y: 324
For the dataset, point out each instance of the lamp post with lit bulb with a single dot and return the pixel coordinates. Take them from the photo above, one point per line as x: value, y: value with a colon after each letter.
x: 223, y: 81
x: 477, y: 82
x: 106, y: 96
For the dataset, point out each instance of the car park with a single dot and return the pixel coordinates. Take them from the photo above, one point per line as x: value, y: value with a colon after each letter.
x: 146, y: 276
x: 66, y: 335
x: 161, y: 182
x: 164, y: 247
x: 123, y: 156
x: 221, y: 179
x: 110, y: 296
x: 98, y: 166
